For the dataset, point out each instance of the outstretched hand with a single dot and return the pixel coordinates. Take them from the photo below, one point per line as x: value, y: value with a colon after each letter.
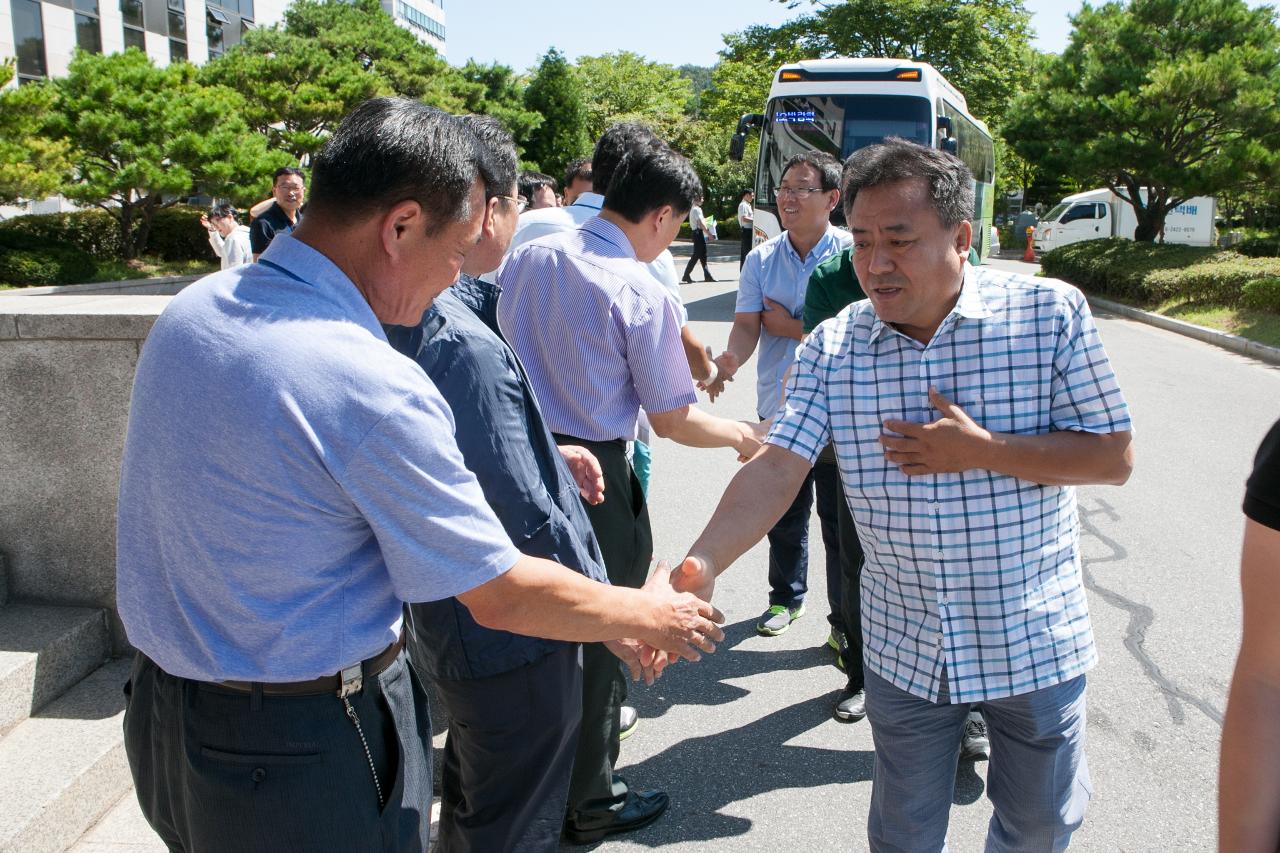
x: 695, y: 575
x: 685, y: 625
x: 952, y: 443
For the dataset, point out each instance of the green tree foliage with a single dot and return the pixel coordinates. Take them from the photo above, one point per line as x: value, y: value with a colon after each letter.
x: 495, y: 90
x: 1174, y: 97
x: 299, y: 79
x: 625, y: 86
x: 740, y: 80
x: 31, y: 164
x: 699, y: 77
x: 555, y: 94
x: 141, y: 136
x: 981, y: 46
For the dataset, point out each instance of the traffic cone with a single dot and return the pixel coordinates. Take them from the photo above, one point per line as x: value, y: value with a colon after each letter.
x: 1030, y: 254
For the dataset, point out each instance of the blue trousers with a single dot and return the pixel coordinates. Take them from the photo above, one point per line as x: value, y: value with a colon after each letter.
x: 1038, y: 779
x: 789, y: 550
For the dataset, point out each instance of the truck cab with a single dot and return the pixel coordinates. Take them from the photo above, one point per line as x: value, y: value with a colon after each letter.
x: 1086, y: 216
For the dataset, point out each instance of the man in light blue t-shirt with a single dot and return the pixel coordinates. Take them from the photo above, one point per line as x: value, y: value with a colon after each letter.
x: 289, y: 481
x: 771, y: 295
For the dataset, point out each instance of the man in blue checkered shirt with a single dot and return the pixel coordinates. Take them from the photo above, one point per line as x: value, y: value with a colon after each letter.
x: 964, y: 405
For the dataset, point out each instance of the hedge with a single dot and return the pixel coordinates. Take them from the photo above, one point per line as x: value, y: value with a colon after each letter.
x: 1151, y: 273
x: 176, y: 233
x: 36, y: 266
x: 726, y: 229
x: 1260, y: 247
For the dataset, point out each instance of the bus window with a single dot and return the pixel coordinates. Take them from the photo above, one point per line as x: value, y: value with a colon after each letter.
x: 836, y: 124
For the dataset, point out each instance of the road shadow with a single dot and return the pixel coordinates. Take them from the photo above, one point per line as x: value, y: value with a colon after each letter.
x: 713, y: 309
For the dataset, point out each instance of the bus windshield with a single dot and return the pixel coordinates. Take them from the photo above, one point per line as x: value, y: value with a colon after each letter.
x: 836, y: 124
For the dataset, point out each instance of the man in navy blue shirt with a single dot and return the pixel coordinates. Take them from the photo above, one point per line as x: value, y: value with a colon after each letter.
x: 515, y: 701
x: 288, y: 185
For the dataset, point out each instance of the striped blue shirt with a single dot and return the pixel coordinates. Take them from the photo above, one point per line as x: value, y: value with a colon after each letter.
x: 597, y: 334
x: 977, y: 572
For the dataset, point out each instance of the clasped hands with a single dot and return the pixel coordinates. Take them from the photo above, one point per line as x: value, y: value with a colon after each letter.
x: 685, y: 626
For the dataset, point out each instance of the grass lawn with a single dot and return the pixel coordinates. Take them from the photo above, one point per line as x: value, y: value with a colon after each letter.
x: 1260, y: 326
x: 150, y: 268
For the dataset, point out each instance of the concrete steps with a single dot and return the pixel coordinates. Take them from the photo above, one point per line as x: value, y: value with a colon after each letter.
x: 64, y: 767
x: 62, y: 761
x: 44, y: 650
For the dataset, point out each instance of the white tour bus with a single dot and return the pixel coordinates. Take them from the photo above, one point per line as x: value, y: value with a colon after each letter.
x: 841, y: 105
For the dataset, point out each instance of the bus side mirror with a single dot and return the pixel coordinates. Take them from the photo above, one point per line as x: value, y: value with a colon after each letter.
x: 946, y: 125
x: 951, y: 146
x: 737, y: 145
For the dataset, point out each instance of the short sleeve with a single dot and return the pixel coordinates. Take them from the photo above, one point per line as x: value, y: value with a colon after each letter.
x: 435, y: 530
x: 655, y: 356
x: 750, y: 286
x: 1084, y: 394
x: 1262, y: 495
x: 802, y: 424
x: 261, y: 233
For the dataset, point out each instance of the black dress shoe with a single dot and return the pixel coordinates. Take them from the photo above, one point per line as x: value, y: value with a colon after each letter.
x: 708, y: 277
x: 686, y: 280
x: 641, y: 809
x: 851, y: 706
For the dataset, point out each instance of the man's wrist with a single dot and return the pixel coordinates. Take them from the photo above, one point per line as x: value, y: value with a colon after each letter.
x: 713, y: 375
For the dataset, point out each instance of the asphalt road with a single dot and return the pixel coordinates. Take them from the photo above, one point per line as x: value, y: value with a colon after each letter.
x: 744, y: 741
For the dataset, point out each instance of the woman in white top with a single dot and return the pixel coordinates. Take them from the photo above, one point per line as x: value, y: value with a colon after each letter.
x: 229, y: 239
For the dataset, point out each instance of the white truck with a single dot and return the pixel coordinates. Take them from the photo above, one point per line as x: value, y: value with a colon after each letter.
x: 1101, y: 213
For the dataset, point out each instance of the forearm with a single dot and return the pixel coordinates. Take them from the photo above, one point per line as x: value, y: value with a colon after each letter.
x: 756, y: 498
x: 694, y: 428
x: 1249, y: 776
x: 785, y: 326
x: 539, y: 598
x: 744, y: 336
x: 1060, y: 458
x: 695, y: 352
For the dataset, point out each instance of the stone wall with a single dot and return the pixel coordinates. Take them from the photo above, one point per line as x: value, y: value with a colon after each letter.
x: 67, y: 359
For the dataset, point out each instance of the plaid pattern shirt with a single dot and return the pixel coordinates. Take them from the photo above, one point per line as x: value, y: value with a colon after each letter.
x: 974, y: 574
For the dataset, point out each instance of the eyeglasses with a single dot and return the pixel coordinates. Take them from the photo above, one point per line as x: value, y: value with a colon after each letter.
x: 799, y: 192
x: 520, y: 202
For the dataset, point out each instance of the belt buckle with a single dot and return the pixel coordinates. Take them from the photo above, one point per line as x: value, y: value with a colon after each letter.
x: 352, y: 679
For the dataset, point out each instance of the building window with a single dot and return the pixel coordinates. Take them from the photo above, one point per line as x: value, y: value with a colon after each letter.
x: 420, y: 21
x: 88, y: 28
x: 177, y: 31
x: 131, y: 13
x: 217, y: 19
x: 246, y: 9
x: 28, y: 39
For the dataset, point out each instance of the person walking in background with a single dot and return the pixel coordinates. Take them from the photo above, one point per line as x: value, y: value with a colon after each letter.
x: 229, y: 239
x: 746, y: 221
x: 281, y: 216
x: 701, y: 233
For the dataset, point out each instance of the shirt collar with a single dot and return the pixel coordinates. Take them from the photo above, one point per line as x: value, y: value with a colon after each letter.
x: 818, y: 250
x: 595, y: 201
x: 970, y: 305
x: 606, y: 230
x: 299, y: 261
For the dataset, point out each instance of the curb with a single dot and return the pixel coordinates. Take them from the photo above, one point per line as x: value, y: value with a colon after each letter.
x: 1235, y: 343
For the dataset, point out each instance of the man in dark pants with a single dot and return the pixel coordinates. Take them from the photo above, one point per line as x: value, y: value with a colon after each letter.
x: 271, y: 706
x: 600, y: 339
x: 746, y: 221
x: 514, y: 702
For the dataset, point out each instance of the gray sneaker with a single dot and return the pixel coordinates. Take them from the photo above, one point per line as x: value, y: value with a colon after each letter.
x: 629, y: 721
x: 975, y: 745
x: 778, y: 619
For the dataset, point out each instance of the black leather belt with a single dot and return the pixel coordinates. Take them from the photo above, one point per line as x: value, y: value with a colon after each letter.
x: 317, y: 686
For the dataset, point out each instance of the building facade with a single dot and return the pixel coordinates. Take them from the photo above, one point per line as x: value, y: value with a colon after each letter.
x: 42, y: 35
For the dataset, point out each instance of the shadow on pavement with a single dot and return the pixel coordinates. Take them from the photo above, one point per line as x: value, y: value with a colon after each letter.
x: 713, y: 309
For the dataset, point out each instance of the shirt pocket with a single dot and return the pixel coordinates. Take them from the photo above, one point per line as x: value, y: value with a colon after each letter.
x: 1013, y: 409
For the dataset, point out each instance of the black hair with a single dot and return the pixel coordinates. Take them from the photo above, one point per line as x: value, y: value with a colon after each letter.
x: 894, y: 160
x: 748, y: 191
x: 391, y: 150
x: 614, y: 143
x: 827, y: 167
x: 287, y: 170
x: 498, y: 161
x: 224, y: 211
x: 578, y: 169
x: 649, y: 177
x: 530, y: 182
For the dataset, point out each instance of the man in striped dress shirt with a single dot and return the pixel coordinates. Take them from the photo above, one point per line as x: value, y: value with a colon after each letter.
x: 964, y: 405
x: 600, y: 340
